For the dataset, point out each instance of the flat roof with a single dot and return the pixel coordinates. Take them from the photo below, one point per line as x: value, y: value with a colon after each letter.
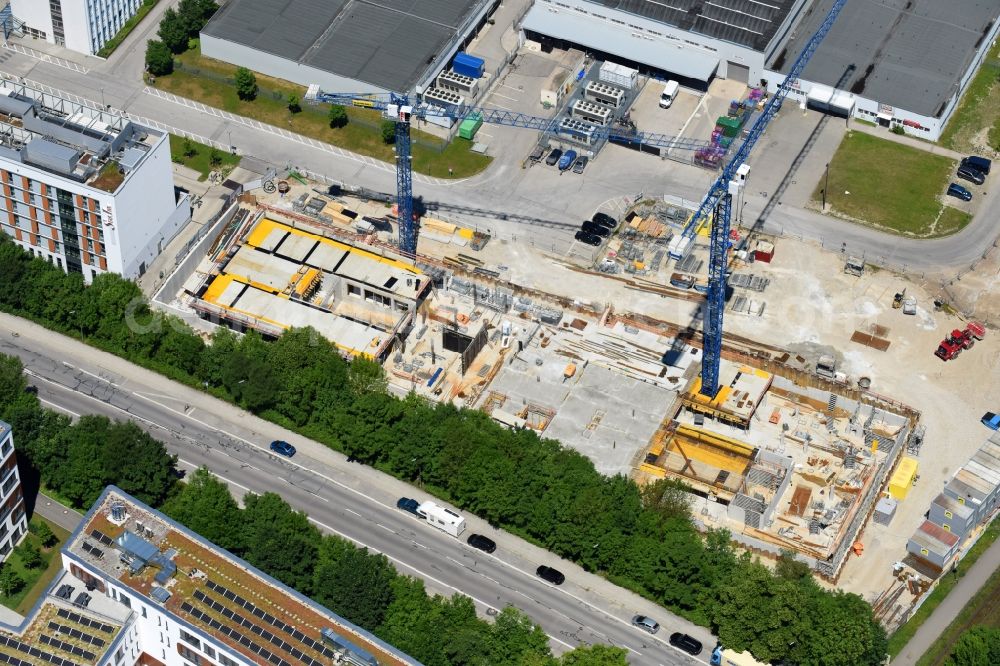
x: 386, y: 43
x: 743, y: 22
x: 947, y: 503
x: 934, y: 538
x: 217, y: 593
x: 907, y: 53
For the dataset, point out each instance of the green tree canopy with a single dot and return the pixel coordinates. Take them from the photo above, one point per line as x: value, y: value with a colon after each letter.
x: 173, y: 31
x: 246, y: 84
x: 978, y: 646
x: 337, y: 116
x: 353, y: 582
x: 206, y: 506
x: 159, y: 58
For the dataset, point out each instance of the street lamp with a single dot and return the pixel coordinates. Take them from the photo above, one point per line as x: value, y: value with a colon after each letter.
x: 103, y: 105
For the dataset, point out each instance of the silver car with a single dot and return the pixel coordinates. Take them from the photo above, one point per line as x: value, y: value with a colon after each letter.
x: 646, y: 623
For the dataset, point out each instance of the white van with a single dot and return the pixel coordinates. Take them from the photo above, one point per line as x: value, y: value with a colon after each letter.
x: 669, y: 94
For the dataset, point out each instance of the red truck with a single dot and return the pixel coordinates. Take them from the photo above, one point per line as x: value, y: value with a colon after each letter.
x: 960, y: 339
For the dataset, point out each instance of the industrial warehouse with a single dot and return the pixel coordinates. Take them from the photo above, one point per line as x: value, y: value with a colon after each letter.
x: 344, y: 46
x: 877, y: 63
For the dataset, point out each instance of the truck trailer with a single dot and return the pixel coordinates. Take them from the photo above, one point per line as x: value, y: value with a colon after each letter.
x: 442, y: 518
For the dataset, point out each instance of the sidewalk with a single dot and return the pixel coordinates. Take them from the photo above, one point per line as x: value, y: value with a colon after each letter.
x: 61, y: 515
x: 883, y: 133
x: 942, y: 616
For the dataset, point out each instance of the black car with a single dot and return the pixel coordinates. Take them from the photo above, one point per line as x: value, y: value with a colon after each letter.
x: 970, y: 174
x: 484, y: 544
x: 407, y: 504
x: 684, y: 642
x: 595, y: 229
x: 588, y: 238
x: 553, y: 157
x: 551, y: 575
x: 605, y: 220
x: 959, y: 192
x: 978, y: 163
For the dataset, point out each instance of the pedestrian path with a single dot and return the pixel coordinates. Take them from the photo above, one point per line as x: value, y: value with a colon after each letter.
x: 883, y: 133
x: 53, y: 511
x: 952, y: 605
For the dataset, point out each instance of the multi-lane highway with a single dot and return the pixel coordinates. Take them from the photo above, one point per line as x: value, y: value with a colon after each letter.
x: 344, y: 498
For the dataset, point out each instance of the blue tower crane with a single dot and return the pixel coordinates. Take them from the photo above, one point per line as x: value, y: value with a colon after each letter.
x: 399, y: 109
x: 719, y: 200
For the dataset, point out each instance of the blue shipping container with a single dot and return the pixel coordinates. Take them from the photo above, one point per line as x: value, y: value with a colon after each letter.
x: 468, y: 65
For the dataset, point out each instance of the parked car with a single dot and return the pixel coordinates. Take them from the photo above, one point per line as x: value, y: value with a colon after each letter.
x: 567, y: 160
x: 553, y: 157
x: 551, y: 575
x: 690, y: 645
x: 283, y: 448
x: 580, y: 164
x: 484, y: 544
x: 407, y: 504
x: 978, y: 163
x: 596, y: 229
x: 605, y: 220
x: 646, y: 623
x: 959, y: 192
x: 971, y: 174
x: 537, y: 154
x: 991, y: 420
x: 588, y: 238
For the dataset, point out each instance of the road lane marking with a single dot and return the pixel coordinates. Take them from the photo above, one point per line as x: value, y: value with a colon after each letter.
x: 418, y: 571
x: 346, y: 487
x: 59, y: 408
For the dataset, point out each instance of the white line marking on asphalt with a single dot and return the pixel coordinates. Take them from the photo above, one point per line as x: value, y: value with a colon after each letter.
x: 419, y: 572
x: 513, y: 99
x: 60, y: 408
x: 353, y: 511
x: 387, y: 529
x: 97, y: 377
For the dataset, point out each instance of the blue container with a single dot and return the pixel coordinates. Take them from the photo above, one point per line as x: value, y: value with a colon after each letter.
x: 468, y: 65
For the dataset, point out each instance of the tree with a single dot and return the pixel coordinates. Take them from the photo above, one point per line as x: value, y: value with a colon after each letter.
x: 173, y: 31
x: 978, y: 646
x: 293, y: 103
x: 668, y: 498
x: 337, y: 116
x: 188, y: 149
x: 10, y: 581
x: 215, y: 157
x: 41, y: 529
x: 280, y: 540
x: 246, y: 84
x: 514, y: 639
x: 159, y: 58
x: 388, y: 130
x: 353, y: 582
x: 595, y: 655
x: 206, y: 506
x: 29, y: 554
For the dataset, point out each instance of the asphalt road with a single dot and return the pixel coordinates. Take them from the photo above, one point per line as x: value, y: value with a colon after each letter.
x: 343, y: 498
x: 537, y: 193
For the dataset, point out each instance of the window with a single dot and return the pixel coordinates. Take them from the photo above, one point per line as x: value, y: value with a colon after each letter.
x: 209, y: 651
x: 187, y: 653
x: 226, y: 661
x: 353, y: 290
x: 188, y: 638
x: 7, y: 446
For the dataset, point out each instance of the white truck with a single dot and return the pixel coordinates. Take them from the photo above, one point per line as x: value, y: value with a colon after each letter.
x: 442, y: 518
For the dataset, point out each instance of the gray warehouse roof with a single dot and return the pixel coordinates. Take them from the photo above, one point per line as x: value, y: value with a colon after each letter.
x: 387, y: 43
x: 745, y: 22
x: 907, y: 53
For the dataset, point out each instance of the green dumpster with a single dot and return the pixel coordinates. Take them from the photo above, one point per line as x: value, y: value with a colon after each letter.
x: 469, y: 126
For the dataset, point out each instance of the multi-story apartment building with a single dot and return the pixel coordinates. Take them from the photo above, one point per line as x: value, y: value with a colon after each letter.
x: 13, y: 520
x: 89, y: 191
x: 80, y: 25
x: 138, y: 589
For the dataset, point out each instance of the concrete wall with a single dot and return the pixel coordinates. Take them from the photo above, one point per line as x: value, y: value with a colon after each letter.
x: 282, y: 68
x: 146, y: 213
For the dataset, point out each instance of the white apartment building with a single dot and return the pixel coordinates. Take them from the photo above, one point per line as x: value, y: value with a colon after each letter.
x: 88, y: 191
x: 138, y: 589
x: 80, y: 25
x: 13, y: 520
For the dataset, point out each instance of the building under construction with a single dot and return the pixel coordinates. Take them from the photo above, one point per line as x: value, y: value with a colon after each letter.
x: 780, y: 465
x: 271, y: 275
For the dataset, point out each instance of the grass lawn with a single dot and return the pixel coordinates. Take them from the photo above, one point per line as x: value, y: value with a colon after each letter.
x: 903, y: 635
x: 891, y: 186
x: 361, y: 135
x: 35, y: 580
x: 130, y: 24
x: 976, y: 121
x: 201, y: 160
